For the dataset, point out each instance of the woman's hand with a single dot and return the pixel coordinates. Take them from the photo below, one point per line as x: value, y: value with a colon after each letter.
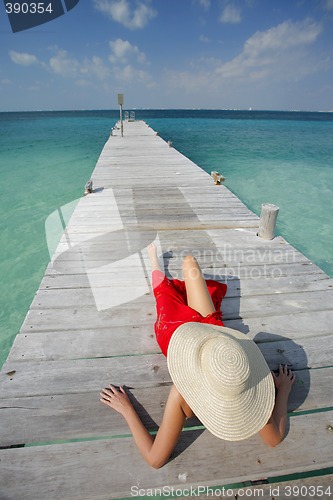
x: 275, y: 429
x: 284, y: 380
x: 118, y: 400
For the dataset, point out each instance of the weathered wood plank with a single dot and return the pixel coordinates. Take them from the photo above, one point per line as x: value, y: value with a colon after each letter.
x: 60, y: 377
x: 293, y: 326
x: 99, y: 247
x: 308, y: 488
x: 88, y: 317
x: 307, y: 352
x: 100, y: 469
x: 236, y: 287
x: 79, y: 311
x: 76, y: 297
x: 219, y: 272
x: 121, y: 340
x: 80, y: 415
x: 303, y: 324
x: 67, y: 376
x: 76, y: 344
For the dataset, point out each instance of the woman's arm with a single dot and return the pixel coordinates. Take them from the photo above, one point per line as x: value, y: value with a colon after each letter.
x: 275, y: 430
x: 155, y: 451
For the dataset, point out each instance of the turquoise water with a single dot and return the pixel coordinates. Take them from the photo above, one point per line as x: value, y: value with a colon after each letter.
x: 275, y: 159
x: 45, y: 161
x: 46, y: 158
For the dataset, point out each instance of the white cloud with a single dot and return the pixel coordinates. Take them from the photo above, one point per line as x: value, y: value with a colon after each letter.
x: 279, y: 48
x: 284, y: 36
x: 123, y: 56
x: 130, y: 74
x: 198, y: 82
x: 121, y: 12
x: 64, y: 65
x: 282, y: 54
x: 23, y: 58
x: 61, y: 63
x: 230, y: 15
x: 87, y: 71
x: 122, y: 50
x: 95, y: 66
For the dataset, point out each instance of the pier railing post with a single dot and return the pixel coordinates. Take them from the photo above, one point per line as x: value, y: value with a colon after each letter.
x: 121, y: 102
x: 267, y: 223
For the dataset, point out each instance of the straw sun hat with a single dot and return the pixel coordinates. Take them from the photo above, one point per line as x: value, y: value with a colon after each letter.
x: 223, y: 377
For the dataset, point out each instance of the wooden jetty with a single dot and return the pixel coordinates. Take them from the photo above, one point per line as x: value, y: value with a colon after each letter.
x: 91, y: 324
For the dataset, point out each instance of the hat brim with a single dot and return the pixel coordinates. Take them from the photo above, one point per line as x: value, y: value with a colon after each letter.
x: 232, y: 419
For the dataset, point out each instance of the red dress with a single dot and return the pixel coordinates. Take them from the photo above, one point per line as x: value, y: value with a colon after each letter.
x: 172, y: 309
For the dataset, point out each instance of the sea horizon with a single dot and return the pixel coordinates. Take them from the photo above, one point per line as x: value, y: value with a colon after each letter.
x: 272, y: 110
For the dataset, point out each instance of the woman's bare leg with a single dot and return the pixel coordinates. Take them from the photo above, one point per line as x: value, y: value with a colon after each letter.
x: 152, y: 252
x: 196, y: 289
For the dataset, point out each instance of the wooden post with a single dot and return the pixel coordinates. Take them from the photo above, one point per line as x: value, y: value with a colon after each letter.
x: 121, y: 102
x: 88, y: 188
x: 268, y: 218
x: 217, y: 177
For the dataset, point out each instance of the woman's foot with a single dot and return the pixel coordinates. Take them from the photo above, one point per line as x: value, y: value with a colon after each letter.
x: 152, y: 252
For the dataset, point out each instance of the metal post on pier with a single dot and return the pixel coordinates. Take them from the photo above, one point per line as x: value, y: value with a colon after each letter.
x: 121, y: 102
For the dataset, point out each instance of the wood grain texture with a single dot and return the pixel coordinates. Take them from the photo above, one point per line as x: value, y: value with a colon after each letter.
x: 110, y: 468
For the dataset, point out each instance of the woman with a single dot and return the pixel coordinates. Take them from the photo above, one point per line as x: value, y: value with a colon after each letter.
x: 218, y: 374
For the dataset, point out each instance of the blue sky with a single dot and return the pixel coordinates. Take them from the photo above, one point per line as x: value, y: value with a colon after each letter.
x: 225, y: 54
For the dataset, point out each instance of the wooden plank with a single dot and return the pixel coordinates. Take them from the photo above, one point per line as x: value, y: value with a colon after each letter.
x: 83, y: 254
x: 243, y: 248
x: 74, y: 416
x: 80, y: 415
x: 315, y: 488
x: 307, y: 352
x: 72, y: 308
x: 131, y: 339
x: 302, y: 324
x: 255, y: 286
x: 100, y: 247
x: 219, y: 272
x: 98, y: 469
x: 38, y: 378
x: 88, y: 317
x: 77, y: 344
x: 82, y: 297
x: 61, y: 377
x: 263, y: 326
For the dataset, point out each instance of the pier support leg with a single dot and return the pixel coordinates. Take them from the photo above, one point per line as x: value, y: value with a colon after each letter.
x: 268, y: 218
